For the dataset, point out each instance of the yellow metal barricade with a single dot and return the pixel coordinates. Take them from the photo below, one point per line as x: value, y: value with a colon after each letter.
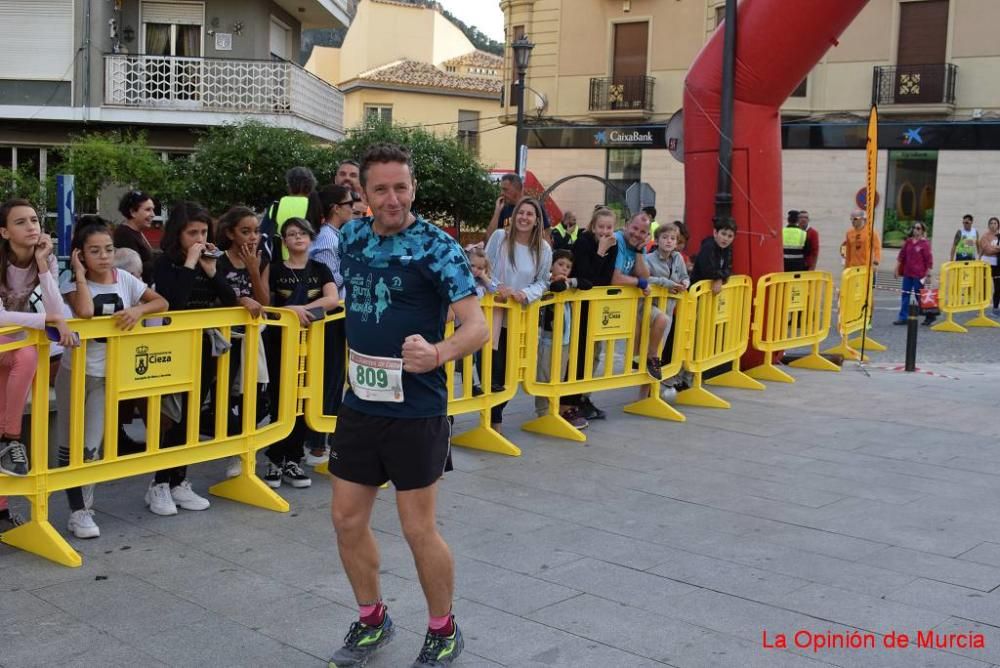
x: 965, y: 286
x: 792, y: 310
x: 855, y: 306
x: 158, y: 360
x: 720, y: 332
x: 616, y: 316
x: 464, y: 394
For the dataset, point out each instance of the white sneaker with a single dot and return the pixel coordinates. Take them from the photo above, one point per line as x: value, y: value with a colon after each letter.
x: 185, y: 497
x: 159, y: 500
x: 234, y: 467
x: 316, y: 460
x: 82, y: 525
x: 668, y: 394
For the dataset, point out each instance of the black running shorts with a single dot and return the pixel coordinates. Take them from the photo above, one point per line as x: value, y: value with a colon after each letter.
x: 370, y: 449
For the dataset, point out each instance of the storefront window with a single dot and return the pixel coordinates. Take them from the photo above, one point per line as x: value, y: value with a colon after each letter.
x: 911, y: 181
x: 624, y: 168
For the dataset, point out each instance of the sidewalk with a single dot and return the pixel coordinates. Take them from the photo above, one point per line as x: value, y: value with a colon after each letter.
x: 841, y: 502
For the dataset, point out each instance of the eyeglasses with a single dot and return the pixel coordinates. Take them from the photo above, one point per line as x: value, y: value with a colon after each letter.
x: 347, y: 203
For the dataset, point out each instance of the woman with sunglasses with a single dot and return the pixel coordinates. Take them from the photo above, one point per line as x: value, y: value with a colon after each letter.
x: 914, y: 265
x: 337, y: 202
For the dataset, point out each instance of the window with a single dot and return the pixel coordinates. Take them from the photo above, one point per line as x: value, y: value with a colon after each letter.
x: 624, y: 168
x: 720, y: 15
x: 911, y: 183
x: 802, y: 90
x: 380, y: 113
x: 468, y: 131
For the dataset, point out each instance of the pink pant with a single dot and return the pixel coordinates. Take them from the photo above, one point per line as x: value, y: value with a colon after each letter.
x: 17, y: 369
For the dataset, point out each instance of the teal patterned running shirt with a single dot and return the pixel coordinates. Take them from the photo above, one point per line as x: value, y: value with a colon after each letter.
x: 397, y: 286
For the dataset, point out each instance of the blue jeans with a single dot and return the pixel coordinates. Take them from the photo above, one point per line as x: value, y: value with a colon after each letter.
x: 910, y: 286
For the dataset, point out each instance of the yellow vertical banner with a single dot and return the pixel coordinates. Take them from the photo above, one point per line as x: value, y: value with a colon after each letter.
x: 871, y: 148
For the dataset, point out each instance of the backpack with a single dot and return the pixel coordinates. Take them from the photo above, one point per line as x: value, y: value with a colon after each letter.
x: 270, y: 240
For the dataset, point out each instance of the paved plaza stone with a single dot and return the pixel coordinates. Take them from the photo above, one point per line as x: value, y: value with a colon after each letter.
x: 844, y: 505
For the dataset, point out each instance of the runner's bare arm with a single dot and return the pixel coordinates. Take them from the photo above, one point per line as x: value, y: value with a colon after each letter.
x: 420, y: 356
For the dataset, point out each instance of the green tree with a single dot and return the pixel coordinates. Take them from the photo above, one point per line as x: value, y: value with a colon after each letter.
x: 100, y: 159
x: 245, y: 163
x: 451, y: 183
x: 22, y: 184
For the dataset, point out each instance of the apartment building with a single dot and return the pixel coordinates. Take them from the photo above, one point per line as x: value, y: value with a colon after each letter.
x: 439, y: 80
x: 167, y: 68
x: 614, y: 72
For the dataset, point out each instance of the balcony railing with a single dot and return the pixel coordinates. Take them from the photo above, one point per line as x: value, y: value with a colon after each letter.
x: 221, y: 85
x: 915, y: 84
x: 633, y: 93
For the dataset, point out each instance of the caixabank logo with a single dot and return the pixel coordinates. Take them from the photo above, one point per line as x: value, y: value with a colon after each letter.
x: 144, y: 359
x: 623, y: 137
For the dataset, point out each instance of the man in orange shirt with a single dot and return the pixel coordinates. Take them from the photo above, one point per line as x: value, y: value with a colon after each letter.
x: 857, y: 247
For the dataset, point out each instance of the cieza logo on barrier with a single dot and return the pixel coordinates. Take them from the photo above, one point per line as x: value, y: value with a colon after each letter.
x: 608, y: 316
x: 144, y: 359
x: 795, y: 297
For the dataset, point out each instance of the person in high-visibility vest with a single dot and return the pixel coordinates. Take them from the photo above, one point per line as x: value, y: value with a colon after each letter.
x: 564, y: 234
x: 794, y: 240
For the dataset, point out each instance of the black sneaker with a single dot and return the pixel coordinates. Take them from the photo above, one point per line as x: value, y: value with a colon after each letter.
x: 13, y: 458
x: 294, y: 476
x: 361, y: 642
x: 272, y: 476
x: 653, y: 368
x: 590, y: 411
x: 440, y: 650
x: 899, y: 322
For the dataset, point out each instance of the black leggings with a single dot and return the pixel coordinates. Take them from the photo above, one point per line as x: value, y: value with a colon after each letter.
x: 177, y: 434
x: 499, y: 375
x: 995, y: 271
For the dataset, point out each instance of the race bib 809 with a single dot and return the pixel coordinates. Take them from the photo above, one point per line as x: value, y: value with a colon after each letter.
x: 376, y: 378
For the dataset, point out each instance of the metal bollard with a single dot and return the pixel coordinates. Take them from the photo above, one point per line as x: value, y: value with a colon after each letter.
x: 911, y: 334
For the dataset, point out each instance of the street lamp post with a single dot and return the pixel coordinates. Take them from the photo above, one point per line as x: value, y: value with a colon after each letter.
x: 522, y: 54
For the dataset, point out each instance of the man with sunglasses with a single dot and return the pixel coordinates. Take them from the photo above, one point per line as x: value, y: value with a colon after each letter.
x: 858, y: 246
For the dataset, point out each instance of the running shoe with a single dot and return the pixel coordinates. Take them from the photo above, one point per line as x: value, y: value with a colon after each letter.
x: 159, y: 499
x: 13, y: 458
x: 590, y: 411
x: 440, y: 650
x: 653, y: 368
x: 82, y: 525
x: 575, y: 418
x: 185, y: 497
x: 361, y: 642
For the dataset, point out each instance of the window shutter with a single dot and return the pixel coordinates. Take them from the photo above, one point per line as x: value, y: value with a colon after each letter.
x: 38, y: 42
x: 179, y: 13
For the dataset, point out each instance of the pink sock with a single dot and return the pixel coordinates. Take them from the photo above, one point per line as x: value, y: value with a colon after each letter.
x: 372, y: 615
x: 441, y: 625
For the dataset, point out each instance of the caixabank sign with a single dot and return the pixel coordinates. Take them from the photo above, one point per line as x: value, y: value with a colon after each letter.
x: 599, y: 136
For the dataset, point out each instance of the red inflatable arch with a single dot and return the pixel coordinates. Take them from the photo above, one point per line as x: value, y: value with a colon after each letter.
x: 778, y: 42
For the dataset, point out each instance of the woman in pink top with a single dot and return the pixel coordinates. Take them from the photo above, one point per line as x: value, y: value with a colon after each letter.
x: 26, y: 263
x: 913, y: 265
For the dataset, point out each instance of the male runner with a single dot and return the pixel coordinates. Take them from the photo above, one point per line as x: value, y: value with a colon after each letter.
x: 393, y: 425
